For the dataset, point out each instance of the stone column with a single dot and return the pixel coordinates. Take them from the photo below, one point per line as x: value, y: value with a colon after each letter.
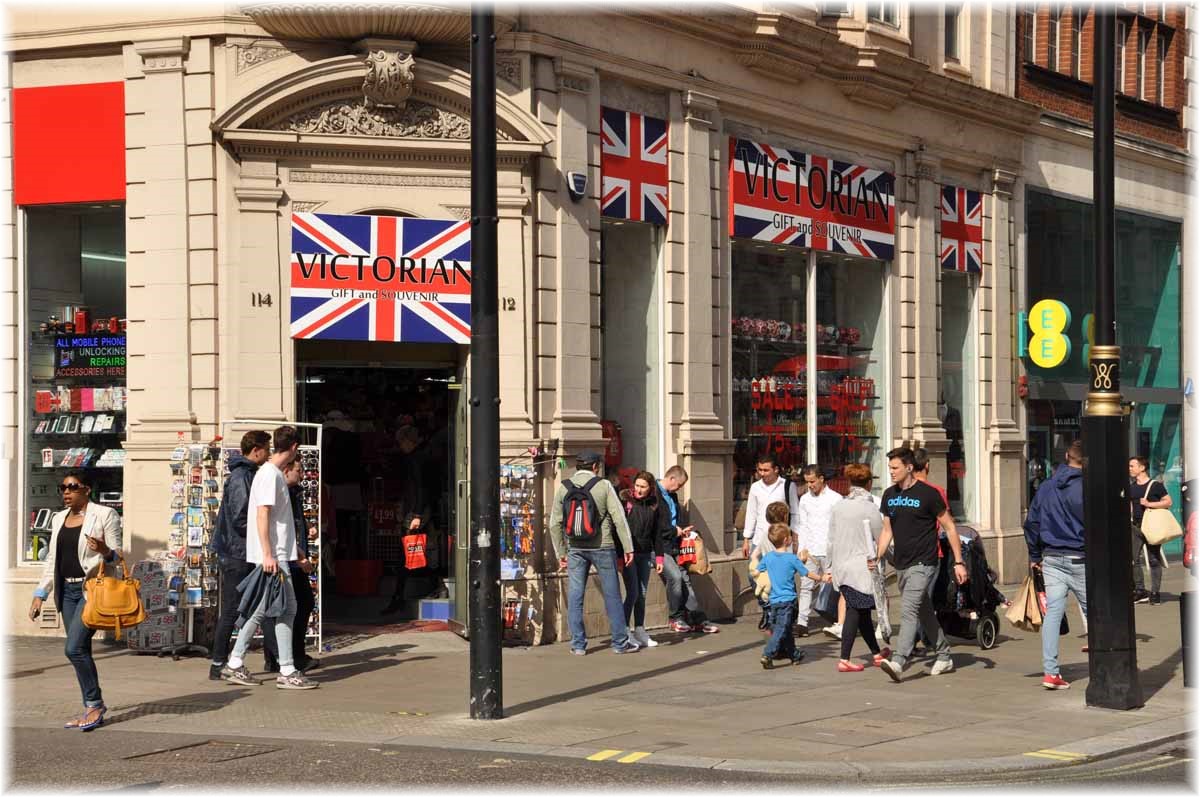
x: 575, y: 422
x: 919, y: 314
x: 259, y: 382
x: 157, y: 240
x: 516, y: 341
x: 1004, y: 441
x: 694, y: 302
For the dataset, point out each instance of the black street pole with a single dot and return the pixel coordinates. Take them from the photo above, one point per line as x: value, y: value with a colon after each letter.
x: 487, y: 699
x: 1112, y: 657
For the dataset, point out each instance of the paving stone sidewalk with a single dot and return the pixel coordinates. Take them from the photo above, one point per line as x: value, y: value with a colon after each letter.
x: 691, y: 699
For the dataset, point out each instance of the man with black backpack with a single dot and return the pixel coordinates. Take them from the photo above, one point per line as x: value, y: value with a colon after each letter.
x: 584, y: 516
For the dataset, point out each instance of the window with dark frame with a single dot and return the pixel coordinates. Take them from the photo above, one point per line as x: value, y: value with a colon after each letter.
x: 1143, y: 44
x: 1161, y: 55
x: 1029, y: 14
x: 1052, y: 38
x: 953, y: 14
x: 1121, y: 33
x: 1077, y: 18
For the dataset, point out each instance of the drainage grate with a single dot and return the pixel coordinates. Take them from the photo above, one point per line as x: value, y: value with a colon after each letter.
x: 210, y: 752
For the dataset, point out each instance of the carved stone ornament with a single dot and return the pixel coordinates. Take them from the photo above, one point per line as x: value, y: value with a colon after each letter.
x: 389, y: 80
x: 348, y: 118
x: 509, y: 69
x: 257, y: 55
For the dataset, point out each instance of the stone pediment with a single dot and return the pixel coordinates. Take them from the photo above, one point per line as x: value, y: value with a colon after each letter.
x: 352, y: 117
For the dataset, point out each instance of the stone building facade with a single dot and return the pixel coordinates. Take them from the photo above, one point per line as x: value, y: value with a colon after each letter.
x: 233, y: 119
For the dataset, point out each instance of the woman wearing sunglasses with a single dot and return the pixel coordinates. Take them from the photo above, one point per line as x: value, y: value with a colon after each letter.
x: 82, y: 534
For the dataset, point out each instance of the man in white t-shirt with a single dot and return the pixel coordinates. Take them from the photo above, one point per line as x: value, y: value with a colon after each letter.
x: 271, y: 544
x: 769, y: 487
x: 813, y: 520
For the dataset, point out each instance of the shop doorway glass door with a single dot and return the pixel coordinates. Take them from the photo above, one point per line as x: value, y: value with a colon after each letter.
x: 460, y: 490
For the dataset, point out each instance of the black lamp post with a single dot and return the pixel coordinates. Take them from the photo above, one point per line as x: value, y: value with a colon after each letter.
x: 483, y: 577
x: 1112, y: 658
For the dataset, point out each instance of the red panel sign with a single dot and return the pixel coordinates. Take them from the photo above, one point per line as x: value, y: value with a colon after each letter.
x: 69, y: 143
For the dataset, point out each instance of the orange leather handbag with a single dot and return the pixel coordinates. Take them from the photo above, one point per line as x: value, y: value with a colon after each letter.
x: 112, y: 603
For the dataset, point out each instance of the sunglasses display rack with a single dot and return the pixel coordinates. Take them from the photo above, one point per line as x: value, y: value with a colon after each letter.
x: 75, y: 420
x: 310, y: 487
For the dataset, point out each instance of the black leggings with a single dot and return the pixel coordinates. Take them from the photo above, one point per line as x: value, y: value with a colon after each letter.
x: 860, y: 618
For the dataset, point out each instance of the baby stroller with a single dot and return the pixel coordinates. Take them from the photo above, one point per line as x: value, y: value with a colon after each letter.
x: 968, y: 611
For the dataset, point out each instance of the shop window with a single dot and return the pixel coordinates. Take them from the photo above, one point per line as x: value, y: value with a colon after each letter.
x: 1156, y: 436
x: 851, y: 356
x: 958, y: 399
x: 770, y: 378
x: 633, y: 393
x: 75, y: 366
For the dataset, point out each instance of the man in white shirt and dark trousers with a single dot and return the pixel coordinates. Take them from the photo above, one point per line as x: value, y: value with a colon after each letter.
x: 812, y: 521
x: 769, y: 487
x: 270, y: 545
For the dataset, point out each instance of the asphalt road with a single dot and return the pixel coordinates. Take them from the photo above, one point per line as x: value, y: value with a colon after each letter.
x: 135, y: 761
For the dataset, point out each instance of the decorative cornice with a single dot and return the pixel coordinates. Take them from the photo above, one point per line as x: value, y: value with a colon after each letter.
x: 380, y: 178
x: 573, y: 76
x: 431, y: 21
x: 164, y: 55
x: 1003, y: 182
x: 699, y: 108
x: 414, y: 120
x: 615, y: 93
x: 254, y: 55
x: 926, y: 166
x: 785, y: 44
x: 256, y: 197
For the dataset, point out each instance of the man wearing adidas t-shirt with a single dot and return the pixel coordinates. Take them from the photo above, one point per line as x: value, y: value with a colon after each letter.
x: 912, y: 511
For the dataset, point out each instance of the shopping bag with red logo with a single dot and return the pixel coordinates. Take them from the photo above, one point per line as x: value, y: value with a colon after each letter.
x: 414, y: 550
x: 687, y: 552
x: 700, y: 567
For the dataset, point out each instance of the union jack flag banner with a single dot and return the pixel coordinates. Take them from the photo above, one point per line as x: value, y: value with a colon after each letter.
x: 796, y: 199
x: 633, y: 166
x: 380, y: 278
x: 962, y: 230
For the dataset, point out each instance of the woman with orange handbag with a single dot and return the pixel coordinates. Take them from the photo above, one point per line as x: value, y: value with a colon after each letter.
x: 82, y: 535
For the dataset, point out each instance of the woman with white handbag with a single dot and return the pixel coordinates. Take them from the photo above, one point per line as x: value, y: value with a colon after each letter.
x: 83, y: 535
x: 1146, y: 494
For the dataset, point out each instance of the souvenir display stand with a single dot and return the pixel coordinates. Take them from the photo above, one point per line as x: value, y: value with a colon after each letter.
x: 517, y: 500
x: 310, y: 462
x: 182, y: 581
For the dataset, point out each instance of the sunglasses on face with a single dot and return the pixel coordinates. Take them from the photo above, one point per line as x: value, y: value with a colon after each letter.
x: 69, y: 488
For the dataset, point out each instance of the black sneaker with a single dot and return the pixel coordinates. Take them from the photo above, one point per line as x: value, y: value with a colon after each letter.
x: 801, y: 630
x: 798, y: 658
x: 1141, y: 596
x: 214, y: 672
x: 308, y: 663
x: 1155, y: 598
x: 766, y: 663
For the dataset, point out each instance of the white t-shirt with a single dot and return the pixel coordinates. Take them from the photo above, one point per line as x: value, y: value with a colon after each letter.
x: 761, y: 495
x: 270, y: 489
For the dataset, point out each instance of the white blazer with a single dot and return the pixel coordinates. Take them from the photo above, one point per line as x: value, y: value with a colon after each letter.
x: 97, y: 520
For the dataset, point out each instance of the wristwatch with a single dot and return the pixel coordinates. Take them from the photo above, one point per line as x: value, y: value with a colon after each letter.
x: 960, y: 564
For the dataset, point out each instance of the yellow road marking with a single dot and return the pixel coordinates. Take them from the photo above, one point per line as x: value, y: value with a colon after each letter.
x: 1063, y: 752
x: 631, y: 758
x: 1056, y: 755
x: 604, y: 755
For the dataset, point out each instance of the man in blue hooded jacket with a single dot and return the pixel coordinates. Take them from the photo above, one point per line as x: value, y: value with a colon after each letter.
x: 1054, y: 536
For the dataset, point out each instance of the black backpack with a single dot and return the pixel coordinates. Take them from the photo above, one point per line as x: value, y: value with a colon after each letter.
x: 581, y: 516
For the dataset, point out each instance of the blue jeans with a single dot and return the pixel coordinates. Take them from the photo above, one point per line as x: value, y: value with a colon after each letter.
x: 79, y: 645
x: 578, y: 562
x: 1062, y: 574
x: 637, y: 581
x: 682, y: 602
x: 283, y: 627
x: 783, y: 622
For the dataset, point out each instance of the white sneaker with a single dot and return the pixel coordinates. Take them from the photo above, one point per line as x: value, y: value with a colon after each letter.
x: 834, y: 630
x: 942, y: 666
x: 642, y: 638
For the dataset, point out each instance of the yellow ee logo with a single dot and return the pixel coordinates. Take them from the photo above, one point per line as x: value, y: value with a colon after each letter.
x: 1049, y: 347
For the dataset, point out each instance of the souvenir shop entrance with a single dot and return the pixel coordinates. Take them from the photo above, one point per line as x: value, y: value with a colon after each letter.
x: 393, y: 467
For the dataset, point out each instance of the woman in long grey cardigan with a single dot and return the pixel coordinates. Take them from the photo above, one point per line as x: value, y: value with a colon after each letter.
x: 855, y: 525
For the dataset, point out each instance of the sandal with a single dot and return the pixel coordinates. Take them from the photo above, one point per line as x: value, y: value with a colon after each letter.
x: 96, y: 722
x: 73, y: 724
x: 849, y: 666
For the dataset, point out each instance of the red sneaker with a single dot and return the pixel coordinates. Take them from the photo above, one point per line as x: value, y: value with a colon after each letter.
x: 849, y: 666
x: 1054, y: 682
x: 883, y: 656
x: 706, y: 628
x: 680, y: 626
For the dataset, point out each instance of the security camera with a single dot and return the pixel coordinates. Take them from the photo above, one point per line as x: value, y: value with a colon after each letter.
x: 577, y: 185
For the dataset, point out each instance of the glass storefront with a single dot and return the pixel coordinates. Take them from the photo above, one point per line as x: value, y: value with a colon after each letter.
x: 772, y: 321
x: 956, y: 403
x: 1060, y: 267
x: 76, y: 363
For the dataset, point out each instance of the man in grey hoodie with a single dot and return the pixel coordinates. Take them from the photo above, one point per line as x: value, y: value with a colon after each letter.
x: 593, y: 548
